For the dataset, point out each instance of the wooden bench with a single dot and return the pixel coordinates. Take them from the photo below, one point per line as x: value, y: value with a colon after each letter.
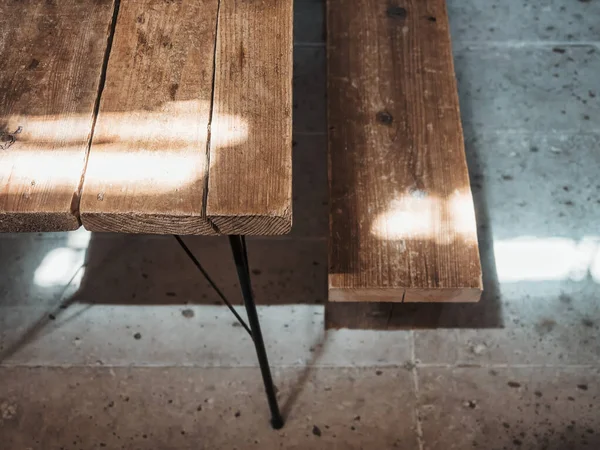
x: 146, y: 116
x: 402, y: 223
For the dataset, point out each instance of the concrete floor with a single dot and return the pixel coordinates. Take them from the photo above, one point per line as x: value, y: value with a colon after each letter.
x: 132, y: 350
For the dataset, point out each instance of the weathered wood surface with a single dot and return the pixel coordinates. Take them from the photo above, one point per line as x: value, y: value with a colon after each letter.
x: 250, y: 180
x: 402, y: 217
x: 52, y: 54
x: 184, y: 141
x: 148, y: 162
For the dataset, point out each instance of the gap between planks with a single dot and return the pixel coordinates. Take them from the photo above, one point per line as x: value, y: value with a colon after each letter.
x: 210, y: 118
x: 109, y: 40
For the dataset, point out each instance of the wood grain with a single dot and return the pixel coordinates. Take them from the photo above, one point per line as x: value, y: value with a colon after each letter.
x: 148, y: 160
x: 52, y: 55
x: 402, y: 217
x: 249, y: 184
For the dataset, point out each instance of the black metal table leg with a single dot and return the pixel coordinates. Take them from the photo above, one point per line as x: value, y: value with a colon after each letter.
x: 240, y: 255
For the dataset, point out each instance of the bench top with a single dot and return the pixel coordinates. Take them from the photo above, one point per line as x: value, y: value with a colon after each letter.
x: 146, y: 116
x: 402, y: 219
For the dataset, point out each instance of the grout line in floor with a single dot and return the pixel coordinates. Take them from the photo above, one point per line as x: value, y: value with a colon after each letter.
x: 518, y: 44
x: 415, y: 376
x: 484, y: 130
x: 5, y: 365
x: 471, y: 365
x: 531, y: 132
x: 483, y: 45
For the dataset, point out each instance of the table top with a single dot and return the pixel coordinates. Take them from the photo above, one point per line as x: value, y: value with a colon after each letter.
x: 148, y: 117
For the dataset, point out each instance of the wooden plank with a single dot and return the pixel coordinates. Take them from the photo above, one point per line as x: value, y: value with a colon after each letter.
x: 148, y: 161
x: 52, y: 55
x: 250, y: 175
x: 402, y: 216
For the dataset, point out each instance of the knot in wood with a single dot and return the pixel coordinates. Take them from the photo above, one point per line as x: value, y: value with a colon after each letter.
x: 384, y: 117
x: 8, y: 139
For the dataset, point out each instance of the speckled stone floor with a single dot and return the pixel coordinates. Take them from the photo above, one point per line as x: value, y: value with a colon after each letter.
x: 114, y: 341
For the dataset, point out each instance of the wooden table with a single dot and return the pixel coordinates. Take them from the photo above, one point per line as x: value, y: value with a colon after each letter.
x: 151, y: 117
x: 148, y: 116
